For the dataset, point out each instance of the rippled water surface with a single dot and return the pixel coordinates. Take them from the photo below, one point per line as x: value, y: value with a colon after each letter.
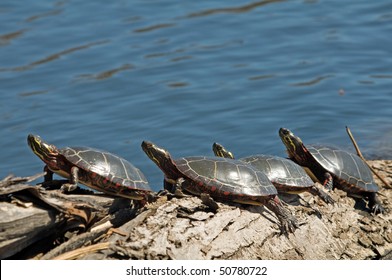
x: 183, y: 74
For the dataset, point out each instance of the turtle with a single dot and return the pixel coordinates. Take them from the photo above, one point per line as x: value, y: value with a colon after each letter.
x: 94, y: 168
x: 334, y: 167
x: 285, y: 175
x: 223, y: 179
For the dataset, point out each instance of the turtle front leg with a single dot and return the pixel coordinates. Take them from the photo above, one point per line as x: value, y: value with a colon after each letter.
x: 209, y: 202
x: 178, y: 189
x: 48, y: 174
x: 375, y: 204
x: 73, y: 181
x: 48, y: 182
x: 323, y: 195
x: 288, y: 222
x: 328, y: 181
x: 168, y: 185
x: 175, y: 186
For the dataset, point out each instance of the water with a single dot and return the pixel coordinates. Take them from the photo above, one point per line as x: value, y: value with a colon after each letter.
x: 184, y: 74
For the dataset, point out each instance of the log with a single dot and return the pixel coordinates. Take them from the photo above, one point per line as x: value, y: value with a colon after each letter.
x: 25, y: 226
x: 185, y: 228
x: 35, y: 220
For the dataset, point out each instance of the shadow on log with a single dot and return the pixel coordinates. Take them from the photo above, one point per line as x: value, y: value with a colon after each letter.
x: 46, y: 224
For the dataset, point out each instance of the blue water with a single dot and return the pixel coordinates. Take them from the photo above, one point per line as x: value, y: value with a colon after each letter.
x: 183, y: 74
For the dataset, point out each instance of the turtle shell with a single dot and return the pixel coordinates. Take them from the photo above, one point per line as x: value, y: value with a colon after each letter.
x: 105, y: 171
x: 226, y: 177
x: 280, y: 170
x: 348, y: 168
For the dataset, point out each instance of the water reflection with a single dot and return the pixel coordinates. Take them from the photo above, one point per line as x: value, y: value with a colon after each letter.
x: 154, y: 27
x: 262, y: 77
x: 52, y: 57
x: 31, y: 93
x: 381, y: 76
x: 106, y: 74
x: 7, y: 38
x: 313, y: 81
x: 240, y: 9
x: 43, y: 15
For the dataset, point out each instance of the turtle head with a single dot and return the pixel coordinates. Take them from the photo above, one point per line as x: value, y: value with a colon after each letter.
x: 160, y: 156
x: 46, y: 152
x: 220, y: 151
x: 294, y: 145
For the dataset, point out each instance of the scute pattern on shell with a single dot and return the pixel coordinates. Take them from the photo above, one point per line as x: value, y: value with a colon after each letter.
x: 280, y: 170
x: 347, y: 167
x: 226, y: 175
x: 106, y: 165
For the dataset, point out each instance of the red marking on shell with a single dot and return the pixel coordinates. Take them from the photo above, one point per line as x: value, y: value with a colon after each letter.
x: 213, y: 188
x: 200, y: 184
x: 226, y: 193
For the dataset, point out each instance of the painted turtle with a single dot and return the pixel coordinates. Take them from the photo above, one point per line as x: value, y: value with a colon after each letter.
x: 223, y: 179
x: 334, y: 168
x: 285, y: 175
x: 97, y: 169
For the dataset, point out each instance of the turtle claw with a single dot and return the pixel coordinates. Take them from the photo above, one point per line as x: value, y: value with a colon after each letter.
x: 73, y: 181
x: 68, y: 187
x: 287, y: 221
x: 209, y: 202
x: 323, y: 195
x: 174, y: 187
x: 166, y: 193
x: 289, y: 225
x: 375, y: 204
x: 178, y: 192
x: 377, y: 209
x: 329, y: 200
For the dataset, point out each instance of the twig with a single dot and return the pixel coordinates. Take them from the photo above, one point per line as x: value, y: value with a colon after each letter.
x: 73, y: 244
x: 361, y: 156
x: 12, y: 180
x: 82, y: 251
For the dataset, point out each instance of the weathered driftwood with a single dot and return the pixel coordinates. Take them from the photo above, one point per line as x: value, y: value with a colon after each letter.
x: 95, y: 228
x: 31, y: 215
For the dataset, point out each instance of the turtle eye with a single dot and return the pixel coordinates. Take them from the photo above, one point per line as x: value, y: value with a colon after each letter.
x: 283, y: 132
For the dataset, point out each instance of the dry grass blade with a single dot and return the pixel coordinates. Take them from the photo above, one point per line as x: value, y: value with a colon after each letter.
x: 72, y: 255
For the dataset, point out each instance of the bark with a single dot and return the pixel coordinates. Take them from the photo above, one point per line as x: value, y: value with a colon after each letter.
x: 96, y: 227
